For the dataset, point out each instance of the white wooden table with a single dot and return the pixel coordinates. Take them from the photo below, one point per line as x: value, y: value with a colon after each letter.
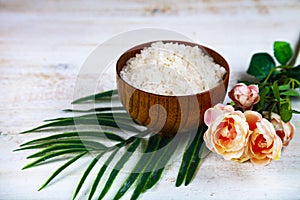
x: 44, y: 43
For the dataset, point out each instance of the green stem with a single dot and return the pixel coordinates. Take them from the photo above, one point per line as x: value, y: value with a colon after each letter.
x: 269, y: 75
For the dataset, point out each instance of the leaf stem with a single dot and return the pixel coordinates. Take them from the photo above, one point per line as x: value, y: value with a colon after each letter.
x: 269, y: 75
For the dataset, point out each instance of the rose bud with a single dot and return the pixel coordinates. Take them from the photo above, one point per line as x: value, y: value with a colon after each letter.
x: 245, y: 96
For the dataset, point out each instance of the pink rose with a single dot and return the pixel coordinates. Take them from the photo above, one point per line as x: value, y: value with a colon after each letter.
x: 227, y: 135
x: 264, y: 145
x: 284, y: 130
x: 212, y: 113
x: 245, y: 96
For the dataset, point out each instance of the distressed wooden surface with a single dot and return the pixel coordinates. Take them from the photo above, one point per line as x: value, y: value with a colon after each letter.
x: 44, y: 43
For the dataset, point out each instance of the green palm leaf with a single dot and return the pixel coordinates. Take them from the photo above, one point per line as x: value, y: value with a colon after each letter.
x: 119, y: 166
x: 191, y: 158
x: 51, y: 155
x: 98, y: 96
x: 100, y: 173
x: 170, y: 148
x: 67, y: 143
x: 153, y: 145
x: 76, y: 134
x: 111, y: 115
x: 102, y: 109
x: 152, y: 166
x: 61, y: 168
x: 87, y: 121
x: 86, y: 173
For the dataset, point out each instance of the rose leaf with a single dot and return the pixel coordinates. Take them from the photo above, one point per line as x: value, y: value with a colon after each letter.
x: 282, y: 52
x: 260, y: 65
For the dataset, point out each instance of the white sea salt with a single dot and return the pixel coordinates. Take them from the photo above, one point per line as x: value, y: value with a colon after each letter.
x: 172, y: 69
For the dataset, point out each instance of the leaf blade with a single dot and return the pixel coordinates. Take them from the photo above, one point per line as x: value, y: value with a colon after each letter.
x: 282, y: 51
x: 61, y: 168
x: 260, y: 65
x: 153, y: 145
x: 50, y: 156
x: 86, y: 173
x: 119, y: 166
x: 96, y: 96
x: 100, y: 174
x: 292, y: 93
x: 149, y: 168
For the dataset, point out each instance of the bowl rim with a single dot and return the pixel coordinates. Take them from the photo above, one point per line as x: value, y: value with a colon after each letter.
x: 204, y: 48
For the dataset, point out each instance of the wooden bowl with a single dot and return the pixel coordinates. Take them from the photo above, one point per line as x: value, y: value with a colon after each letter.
x: 169, y: 115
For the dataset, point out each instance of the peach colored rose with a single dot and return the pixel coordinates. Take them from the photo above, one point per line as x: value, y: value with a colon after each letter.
x: 284, y: 130
x: 212, y: 113
x: 245, y: 96
x: 227, y: 135
x: 264, y: 145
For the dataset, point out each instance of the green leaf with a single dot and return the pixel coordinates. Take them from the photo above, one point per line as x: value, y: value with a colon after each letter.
x: 113, y: 137
x: 292, y: 93
x: 284, y: 87
x: 153, y: 178
x: 98, y: 96
x: 51, y: 124
x: 52, y: 155
x: 75, y: 134
x: 102, y: 109
x: 57, y: 148
x: 276, y: 91
x: 87, y: 121
x: 285, y: 112
x: 282, y: 52
x: 153, y: 145
x: 196, y: 158
x: 100, y: 173
x: 260, y: 65
x: 296, y: 111
x: 153, y: 165
x: 190, y: 157
x: 61, y: 168
x: 263, y: 92
x: 111, y: 115
x: 86, y: 173
x: 123, y: 160
x: 67, y: 143
x: 162, y: 163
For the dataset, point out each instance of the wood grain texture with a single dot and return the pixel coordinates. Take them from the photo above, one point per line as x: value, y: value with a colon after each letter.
x: 44, y: 43
x: 169, y: 115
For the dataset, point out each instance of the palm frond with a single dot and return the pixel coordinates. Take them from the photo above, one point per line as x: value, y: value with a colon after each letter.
x: 73, y: 145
